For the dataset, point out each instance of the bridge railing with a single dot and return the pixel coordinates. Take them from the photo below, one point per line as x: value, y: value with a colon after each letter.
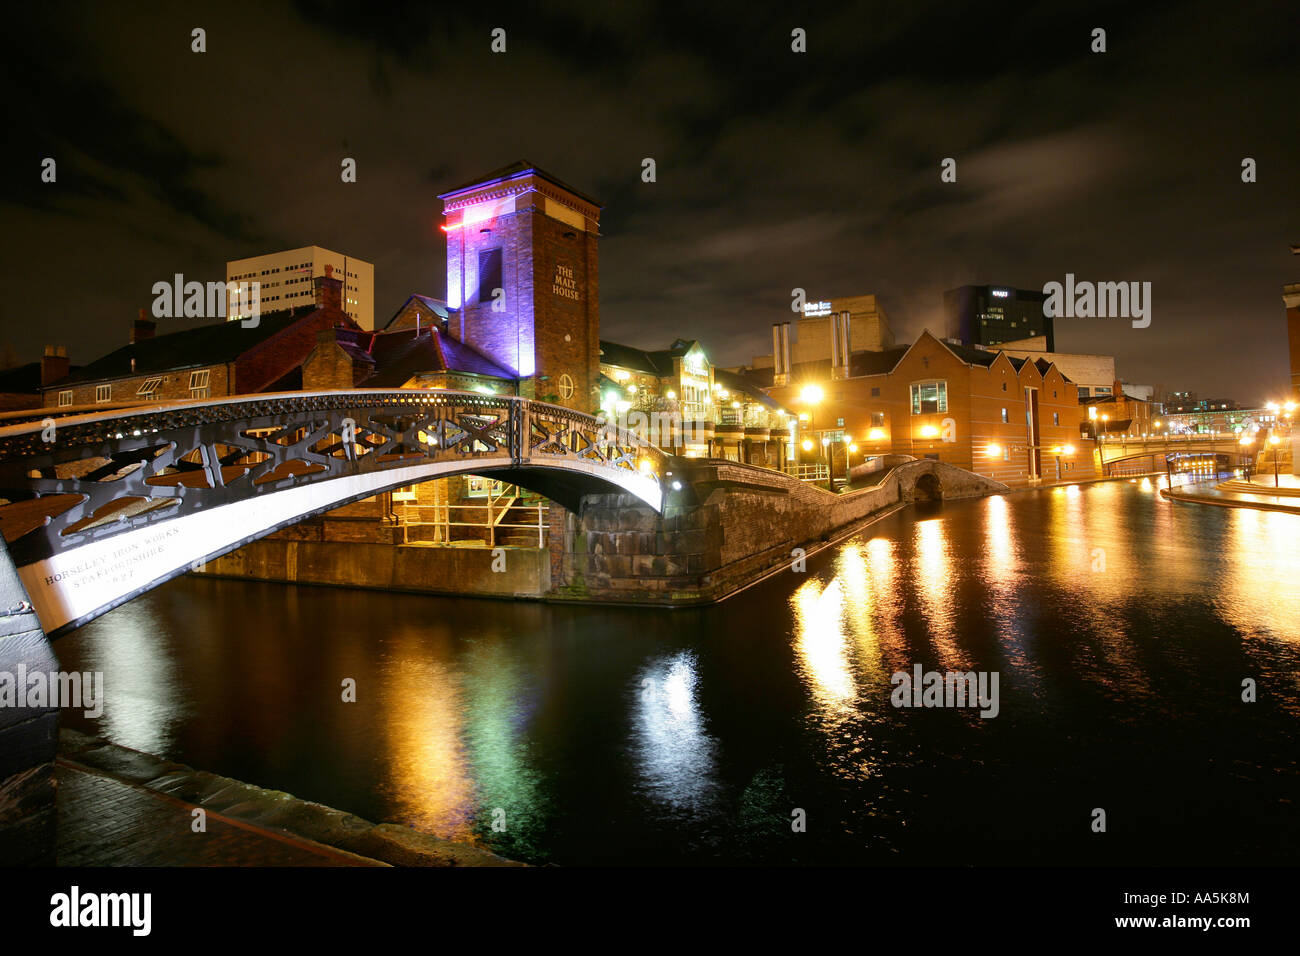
x: 99, y: 474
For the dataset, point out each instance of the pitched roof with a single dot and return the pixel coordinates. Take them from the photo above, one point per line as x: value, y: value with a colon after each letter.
x: 204, y: 345
x: 398, y: 356
x: 626, y: 356
x: 736, y: 382
x: 515, y: 170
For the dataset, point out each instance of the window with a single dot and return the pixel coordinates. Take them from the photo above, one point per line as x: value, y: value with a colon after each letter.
x: 148, y: 387
x: 489, y: 274
x: 1056, y: 418
x: 566, y: 386
x: 1084, y: 391
x: 877, y: 419
x: 1004, y: 416
x: 1006, y: 452
x: 65, y: 398
x: 929, y: 397
x: 199, y: 383
x: 1004, y: 386
x: 103, y: 393
x: 875, y: 393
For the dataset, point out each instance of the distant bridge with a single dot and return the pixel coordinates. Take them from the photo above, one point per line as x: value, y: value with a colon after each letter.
x: 103, y: 506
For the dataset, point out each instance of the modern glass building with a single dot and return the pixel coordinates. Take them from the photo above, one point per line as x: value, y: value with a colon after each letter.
x: 991, y: 315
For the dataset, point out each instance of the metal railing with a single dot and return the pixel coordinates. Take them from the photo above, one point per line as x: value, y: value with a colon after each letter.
x: 438, y: 516
x: 816, y: 471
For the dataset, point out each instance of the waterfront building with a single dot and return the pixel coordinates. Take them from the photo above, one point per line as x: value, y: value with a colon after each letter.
x: 1011, y: 419
x: 691, y: 406
x: 1119, y: 414
x: 286, y: 282
x: 522, y: 280
x: 206, y: 361
x: 994, y: 315
x: 1093, y: 375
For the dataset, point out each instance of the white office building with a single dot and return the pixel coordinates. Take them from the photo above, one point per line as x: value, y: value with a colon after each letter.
x: 285, y: 282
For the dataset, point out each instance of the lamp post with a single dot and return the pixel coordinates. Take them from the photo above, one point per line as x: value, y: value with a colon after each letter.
x: 1274, y: 441
x: 811, y: 395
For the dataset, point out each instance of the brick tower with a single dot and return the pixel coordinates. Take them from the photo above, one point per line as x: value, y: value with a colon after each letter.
x: 522, y: 273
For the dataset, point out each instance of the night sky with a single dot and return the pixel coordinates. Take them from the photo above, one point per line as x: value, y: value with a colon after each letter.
x: 775, y: 169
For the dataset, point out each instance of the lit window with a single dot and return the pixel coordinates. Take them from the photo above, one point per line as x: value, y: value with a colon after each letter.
x: 566, y: 386
x: 1004, y: 416
x: 928, y: 397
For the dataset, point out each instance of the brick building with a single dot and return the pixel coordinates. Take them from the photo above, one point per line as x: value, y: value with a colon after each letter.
x: 208, y: 361
x: 522, y: 279
x: 1010, y: 419
x: 719, y: 413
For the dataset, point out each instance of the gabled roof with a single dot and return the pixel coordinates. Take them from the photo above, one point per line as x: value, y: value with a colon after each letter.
x: 875, y: 363
x: 437, y: 306
x: 515, y: 170
x: 204, y: 345
x: 627, y: 356
x: 399, y: 356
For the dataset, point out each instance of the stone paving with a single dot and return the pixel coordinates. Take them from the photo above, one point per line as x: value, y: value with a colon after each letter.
x: 118, y: 806
x: 107, y: 822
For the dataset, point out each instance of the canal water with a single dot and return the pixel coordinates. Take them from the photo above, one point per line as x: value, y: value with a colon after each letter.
x: 1121, y: 627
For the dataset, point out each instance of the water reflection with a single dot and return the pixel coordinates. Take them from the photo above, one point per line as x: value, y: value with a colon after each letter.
x: 673, y: 751
x: 1121, y: 625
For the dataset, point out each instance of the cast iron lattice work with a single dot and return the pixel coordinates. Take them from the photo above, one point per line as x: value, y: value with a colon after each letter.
x: 108, y: 473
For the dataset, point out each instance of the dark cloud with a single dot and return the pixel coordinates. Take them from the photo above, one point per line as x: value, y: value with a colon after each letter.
x: 775, y: 170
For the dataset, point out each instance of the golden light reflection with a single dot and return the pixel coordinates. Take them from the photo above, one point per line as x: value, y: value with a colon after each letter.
x: 1260, y: 595
x: 426, y: 754
x: 933, y: 572
x: 822, y: 645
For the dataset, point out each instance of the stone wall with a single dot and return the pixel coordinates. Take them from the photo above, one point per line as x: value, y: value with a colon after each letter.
x: 465, y: 571
x: 744, y: 523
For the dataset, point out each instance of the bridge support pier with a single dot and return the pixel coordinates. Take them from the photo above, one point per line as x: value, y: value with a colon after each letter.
x: 28, y: 735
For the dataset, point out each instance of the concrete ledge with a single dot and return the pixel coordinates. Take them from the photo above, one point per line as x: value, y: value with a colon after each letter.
x: 272, y: 809
x: 415, y: 568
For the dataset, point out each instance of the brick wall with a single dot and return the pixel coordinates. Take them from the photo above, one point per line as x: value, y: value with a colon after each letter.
x: 275, y: 357
x: 175, y: 385
x: 329, y: 365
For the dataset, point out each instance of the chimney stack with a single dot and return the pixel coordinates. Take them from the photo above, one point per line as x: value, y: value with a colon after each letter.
x: 840, y: 344
x: 144, y: 328
x: 780, y: 353
x: 54, y: 364
x: 328, y: 291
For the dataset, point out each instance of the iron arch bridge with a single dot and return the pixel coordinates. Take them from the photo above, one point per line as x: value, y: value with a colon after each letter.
x: 101, y: 507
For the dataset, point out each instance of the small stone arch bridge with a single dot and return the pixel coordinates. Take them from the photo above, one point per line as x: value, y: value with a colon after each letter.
x: 102, y: 506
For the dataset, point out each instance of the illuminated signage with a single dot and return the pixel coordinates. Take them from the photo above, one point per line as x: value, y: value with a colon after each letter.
x: 817, y: 308
x: 1000, y: 293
